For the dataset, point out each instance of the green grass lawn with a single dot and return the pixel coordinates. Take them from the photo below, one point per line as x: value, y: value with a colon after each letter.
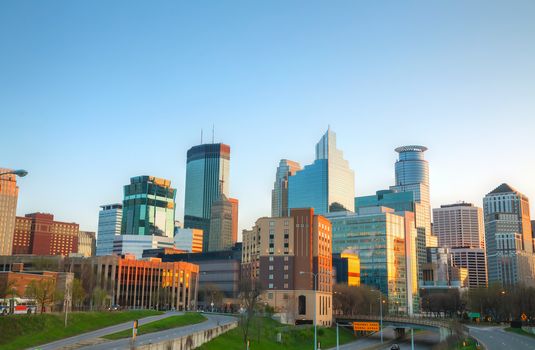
x: 519, y: 331
x: 263, y: 336
x: 160, y: 325
x: 23, y: 331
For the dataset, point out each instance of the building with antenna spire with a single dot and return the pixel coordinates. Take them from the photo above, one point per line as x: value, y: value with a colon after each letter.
x: 207, y: 166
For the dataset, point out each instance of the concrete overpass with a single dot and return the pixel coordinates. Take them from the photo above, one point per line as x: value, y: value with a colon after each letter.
x: 400, y: 323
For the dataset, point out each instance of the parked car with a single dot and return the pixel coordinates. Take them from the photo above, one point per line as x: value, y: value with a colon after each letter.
x: 395, y: 347
x: 114, y: 308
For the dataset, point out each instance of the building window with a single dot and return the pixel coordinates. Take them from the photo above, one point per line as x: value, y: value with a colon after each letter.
x: 271, y: 276
x: 302, y: 302
x: 270, y: 267
x: 270, y: 258
x: 270, y: 286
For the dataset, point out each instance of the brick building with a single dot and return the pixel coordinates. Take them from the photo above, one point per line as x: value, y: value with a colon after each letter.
x: 39, y: 234
x: 284, y: 254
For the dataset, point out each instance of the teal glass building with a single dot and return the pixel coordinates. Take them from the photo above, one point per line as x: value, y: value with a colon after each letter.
x: 148, y: 207
x: 207, y: 174
x: 327, y: 185
x: 400, y: 202
x: 379, y: 237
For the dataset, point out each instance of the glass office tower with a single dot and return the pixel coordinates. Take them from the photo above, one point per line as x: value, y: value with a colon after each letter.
x: 400, y: 202
x: 148, y: 207
x: 208, y: 166
x: 383, y: 244
x: 328, y: 184
x: 110, y: 218
x: 412, y: 175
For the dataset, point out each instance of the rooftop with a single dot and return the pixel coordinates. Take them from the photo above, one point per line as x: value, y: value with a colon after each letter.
x: 411, y: 148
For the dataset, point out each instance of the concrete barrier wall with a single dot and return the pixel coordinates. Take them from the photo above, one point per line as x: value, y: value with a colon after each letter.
x: 191, y: 341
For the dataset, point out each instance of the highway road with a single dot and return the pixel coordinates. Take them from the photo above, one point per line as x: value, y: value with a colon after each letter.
x: 101, y: 332
x: 495, y: 338
x: 422, y: 341
x: 212, y: 321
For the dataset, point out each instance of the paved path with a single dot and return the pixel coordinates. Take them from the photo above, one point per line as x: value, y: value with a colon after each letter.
x: 212, y: 321
x: 101, y: 332
x: 495, y: 338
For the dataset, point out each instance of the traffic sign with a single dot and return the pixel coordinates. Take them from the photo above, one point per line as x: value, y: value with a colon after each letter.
x: 366, y: 326
x: 524, y: 317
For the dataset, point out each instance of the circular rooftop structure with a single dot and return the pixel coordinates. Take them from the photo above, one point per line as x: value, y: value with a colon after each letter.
x: 411, y: 148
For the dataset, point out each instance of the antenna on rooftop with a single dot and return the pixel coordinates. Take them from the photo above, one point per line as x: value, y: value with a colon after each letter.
x: 201, y: 136
x: 213, y: 127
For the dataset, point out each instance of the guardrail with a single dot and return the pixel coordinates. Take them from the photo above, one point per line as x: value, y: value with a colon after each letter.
x: 431, y: 322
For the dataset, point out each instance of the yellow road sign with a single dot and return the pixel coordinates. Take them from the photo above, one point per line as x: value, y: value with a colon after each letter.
x: 366, y: 326
x: 524, y: 317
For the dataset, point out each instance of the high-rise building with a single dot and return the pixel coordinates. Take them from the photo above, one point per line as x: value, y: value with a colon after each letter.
x: 86, y: 243
x: 385, y: 243
x: 110, y: 218
x: 327, y: 185
x: 9, y: 193
x: 188, y: 239
x: 222, y: 225
x: 508, y: 237
x: 149, y: 207
x: 40, y: 234
x: 136, y: 244
x: 208, y: 166
x: 235, y: 208
x: 279, y: 194
x: 402, y: 202
x: 460, y: 227
x: 412, y: 175
x: 283, y: 253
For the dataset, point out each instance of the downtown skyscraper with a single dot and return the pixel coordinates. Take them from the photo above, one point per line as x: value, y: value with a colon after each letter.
x: 279, y: 194
x: 207, y: 175
x: 9, y: 193
x: 508, y: 237
x: 412, y: 175
x: 326, y: 185
x: 460, y: 227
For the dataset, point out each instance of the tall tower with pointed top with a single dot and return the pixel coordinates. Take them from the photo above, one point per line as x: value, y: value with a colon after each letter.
x: 326, y: 185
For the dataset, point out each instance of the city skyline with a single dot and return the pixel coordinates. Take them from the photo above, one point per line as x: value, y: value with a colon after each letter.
x: 81, y: 84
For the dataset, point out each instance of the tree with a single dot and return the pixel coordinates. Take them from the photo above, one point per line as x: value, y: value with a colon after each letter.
x: 43, y: 291
x: 9, y: 289
x: 250, y: 290
x: 78, y: 293
x: 99, y: 297
x: 212, y: 294
x: 356, y: 300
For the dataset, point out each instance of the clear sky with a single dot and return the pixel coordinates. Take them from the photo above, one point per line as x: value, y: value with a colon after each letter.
x: 95, y: 92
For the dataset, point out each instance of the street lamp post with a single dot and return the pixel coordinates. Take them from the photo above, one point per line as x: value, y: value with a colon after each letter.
x: 315, y: 301
x: 19, y: 172
x: 381, y: 312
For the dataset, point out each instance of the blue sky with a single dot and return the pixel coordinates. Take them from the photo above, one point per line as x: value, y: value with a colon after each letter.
x: 95, y: 92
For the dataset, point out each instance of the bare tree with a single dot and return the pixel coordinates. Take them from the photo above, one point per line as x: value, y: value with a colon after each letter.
x: 250, y: 290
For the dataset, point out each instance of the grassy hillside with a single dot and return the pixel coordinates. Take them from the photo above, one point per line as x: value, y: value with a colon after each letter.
x: 263, y: 336
x: 23, y: 331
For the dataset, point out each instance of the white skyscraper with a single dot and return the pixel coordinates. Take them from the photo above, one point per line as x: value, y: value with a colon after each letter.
x: 460, y: 227
x: 109, y: 225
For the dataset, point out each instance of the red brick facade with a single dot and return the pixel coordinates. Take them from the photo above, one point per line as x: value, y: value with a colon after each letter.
x: 39, y: 234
